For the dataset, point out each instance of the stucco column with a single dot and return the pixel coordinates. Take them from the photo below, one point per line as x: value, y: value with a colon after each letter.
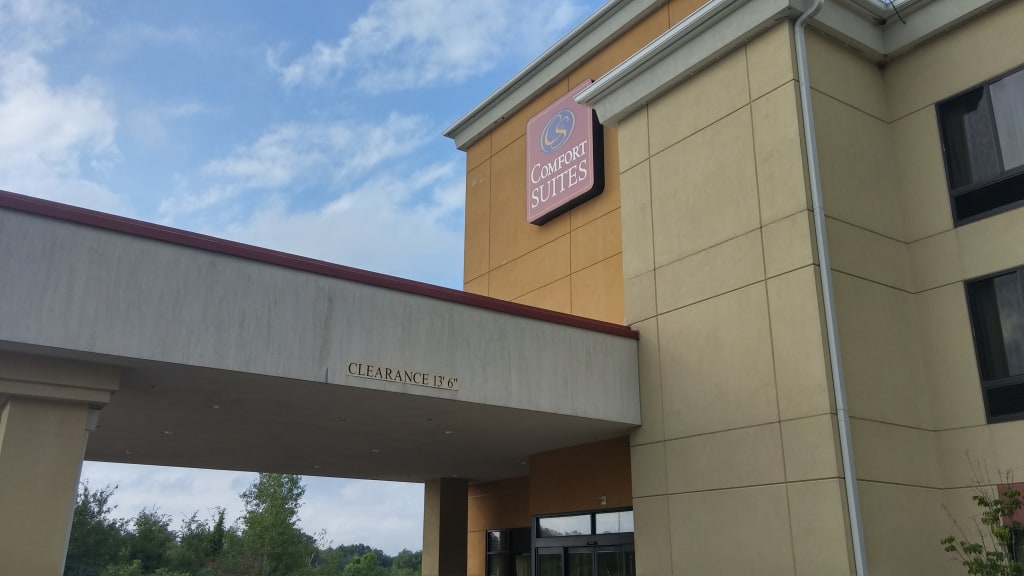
x: 47, y: 407
x: 445, y: 512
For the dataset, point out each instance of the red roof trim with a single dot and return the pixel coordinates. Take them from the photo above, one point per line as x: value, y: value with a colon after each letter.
x: 134, y: 227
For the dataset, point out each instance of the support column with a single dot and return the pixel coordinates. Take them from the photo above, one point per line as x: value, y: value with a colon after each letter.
x: 44, y: 424
x: 445, y: 513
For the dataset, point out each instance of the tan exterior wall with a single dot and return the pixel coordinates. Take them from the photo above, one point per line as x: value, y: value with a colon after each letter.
x: 738, y: 443
x: 918, y: 417
x: 721, y: 281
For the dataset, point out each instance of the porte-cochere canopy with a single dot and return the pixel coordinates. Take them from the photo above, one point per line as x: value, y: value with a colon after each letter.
x: 237, y: 357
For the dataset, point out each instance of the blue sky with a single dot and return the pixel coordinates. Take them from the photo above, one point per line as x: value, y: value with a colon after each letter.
x: 313, y: 128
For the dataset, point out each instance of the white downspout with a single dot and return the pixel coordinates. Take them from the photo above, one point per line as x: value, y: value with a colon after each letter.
x: 827, y: 292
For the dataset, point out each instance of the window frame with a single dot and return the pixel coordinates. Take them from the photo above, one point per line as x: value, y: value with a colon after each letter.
x: 550, y: 544
x: 514, y: 538
x: 955, y: 193
x: 1005, y: 382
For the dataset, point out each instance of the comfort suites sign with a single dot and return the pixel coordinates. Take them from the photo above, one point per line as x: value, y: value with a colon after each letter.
x: 564, y: 158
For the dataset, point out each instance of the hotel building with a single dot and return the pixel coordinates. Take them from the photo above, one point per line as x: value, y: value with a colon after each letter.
x: 744, y: 294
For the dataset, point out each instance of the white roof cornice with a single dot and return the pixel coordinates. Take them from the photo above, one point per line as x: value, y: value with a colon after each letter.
x: 721, y: 26
x: 596, y: 32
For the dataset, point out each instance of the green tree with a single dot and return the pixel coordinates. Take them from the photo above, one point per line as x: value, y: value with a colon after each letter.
x: 990, y: 554
x: 366, y: 565
x: 272, y: 543
x: 152, y: 541
x: 97, y: 540
x: 133, y: 568
x: 200, y: 544
x: 407, y: 563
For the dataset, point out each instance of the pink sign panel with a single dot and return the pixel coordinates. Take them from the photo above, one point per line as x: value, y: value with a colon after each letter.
x: 564, y: 158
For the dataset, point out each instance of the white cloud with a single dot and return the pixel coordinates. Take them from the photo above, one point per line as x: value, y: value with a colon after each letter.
x: 374, y: 205
x: 176, y: 492
x: 50, y: 133
x: 31, y: 26
x: 400, y: 44
x: 149, y: 124
x: 384, y: 515
x: 296, y: 154
x: 404, y: 225
x: 275, y: 159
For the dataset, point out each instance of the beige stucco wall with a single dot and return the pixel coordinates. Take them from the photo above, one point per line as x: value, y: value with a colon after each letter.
x: 735, y: 469
x: 917, y: 412
x: 721, y: 282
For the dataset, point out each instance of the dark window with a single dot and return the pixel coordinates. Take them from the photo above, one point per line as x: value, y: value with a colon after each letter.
x: 983, y: 142
x: 508, y: 552
x: 997, y: 315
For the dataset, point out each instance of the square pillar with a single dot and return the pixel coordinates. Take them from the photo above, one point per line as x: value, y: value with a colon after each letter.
x: 47, y: 408
x: 445, y: 522
x: 41, y: 447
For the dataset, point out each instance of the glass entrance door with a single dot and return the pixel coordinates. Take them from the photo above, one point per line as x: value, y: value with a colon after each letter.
x: 587, y: 561
x: 584, y: 544
x: 549, y: 562
x: 615, y: 561
x: 580, y: 561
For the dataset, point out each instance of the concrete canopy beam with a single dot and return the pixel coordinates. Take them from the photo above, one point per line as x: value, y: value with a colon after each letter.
x: 231, y: 361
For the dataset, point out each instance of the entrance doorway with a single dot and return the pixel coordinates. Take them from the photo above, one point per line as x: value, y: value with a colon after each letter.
x: 586, y: 561
x: 591, y: 544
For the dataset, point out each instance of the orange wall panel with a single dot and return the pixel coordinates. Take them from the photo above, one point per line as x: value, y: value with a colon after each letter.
x: 597, y: 291
x: 476, y: 553
x: 494, y: 505
x: 575, y: 479
x: 609, y: 199
x: 478, y: 209
x: 679, y: 9
x: 622, y: 47
x: 510, y: 235
x: 499, y: 504
x: 556, y: 296
x: 478, y: 152
x: 478, y: 285
x: 595, y: 241
x: 538, y: 268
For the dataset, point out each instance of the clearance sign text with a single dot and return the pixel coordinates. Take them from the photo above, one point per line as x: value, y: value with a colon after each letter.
x: 392, y: 374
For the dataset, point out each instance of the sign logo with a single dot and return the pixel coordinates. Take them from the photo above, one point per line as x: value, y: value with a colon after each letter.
x: 564, y: 158
x: 558, y: 131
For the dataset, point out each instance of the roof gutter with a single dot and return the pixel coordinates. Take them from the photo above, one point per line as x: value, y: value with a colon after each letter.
x: 828, y: 293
